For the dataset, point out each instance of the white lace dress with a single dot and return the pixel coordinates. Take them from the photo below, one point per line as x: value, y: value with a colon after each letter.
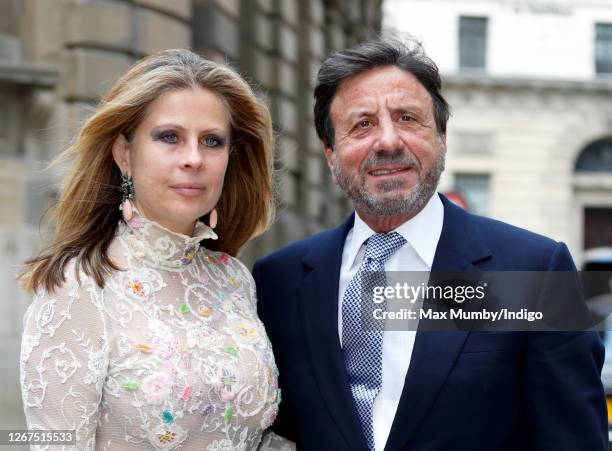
x: 169, y: 355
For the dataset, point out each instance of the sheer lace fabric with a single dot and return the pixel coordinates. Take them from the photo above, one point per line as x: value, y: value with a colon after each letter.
x: 169, y: 355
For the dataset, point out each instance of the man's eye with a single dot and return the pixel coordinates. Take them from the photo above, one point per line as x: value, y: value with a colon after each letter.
x: 364, y: 123
x: 169, y: 138
x: 406, y: 118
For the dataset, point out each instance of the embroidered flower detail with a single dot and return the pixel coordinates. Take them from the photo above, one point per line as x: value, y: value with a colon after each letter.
x: 45, y: 314
x: 138, y: 246
x: 186, y: 393
x: 246, y: 332
x: 168, y: 350
x: 224, y: 258
x: 166, y: 437
x: 167, y: 416
x: 229, y: 414
x: 229, y: 383
x: 232, y: 351
x: 157, y: 387
x: 238, y: 296
x: 131, y: 385
x: 226, y: 393
x: 206, y: 312
x: 223, y: 444
x: 208, y: 409
x: 144, y: 348
x: 184, y: 309
x: 188, y: 253
x: 96, y: 366
x: 269, y: 416
x: 164, y: 246
x: 136, y: 287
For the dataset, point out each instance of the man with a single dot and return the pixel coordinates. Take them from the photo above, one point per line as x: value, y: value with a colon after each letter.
x: 382, y: 121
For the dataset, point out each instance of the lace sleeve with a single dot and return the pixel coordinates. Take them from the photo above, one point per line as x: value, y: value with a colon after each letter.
x: 245, y: 277
x: 274, y: 442
x: 64, y: 359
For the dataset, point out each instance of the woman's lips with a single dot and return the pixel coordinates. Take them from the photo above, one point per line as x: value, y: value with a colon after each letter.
x: 188, y: 189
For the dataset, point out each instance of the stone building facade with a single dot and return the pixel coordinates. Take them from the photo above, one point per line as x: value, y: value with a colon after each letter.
x: 58, y: 56
x: 530, y: 87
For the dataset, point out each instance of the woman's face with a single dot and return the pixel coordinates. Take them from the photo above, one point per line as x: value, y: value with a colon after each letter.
x: 177, y: 157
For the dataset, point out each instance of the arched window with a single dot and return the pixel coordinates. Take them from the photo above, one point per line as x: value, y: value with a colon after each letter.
x: 596, y: 157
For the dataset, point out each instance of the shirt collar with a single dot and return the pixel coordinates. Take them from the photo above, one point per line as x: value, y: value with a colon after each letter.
x: 422, y: 232
x: 153, y: 243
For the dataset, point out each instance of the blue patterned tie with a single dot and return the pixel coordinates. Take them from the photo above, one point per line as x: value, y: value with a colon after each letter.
x: 362, y: 338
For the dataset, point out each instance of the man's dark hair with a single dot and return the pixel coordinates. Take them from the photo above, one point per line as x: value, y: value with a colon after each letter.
x: 377, y: 52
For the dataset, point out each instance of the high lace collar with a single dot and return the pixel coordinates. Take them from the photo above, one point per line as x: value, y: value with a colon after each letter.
x: 160, y: 247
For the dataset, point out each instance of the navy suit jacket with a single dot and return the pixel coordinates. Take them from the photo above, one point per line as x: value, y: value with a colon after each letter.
x: 472, y: 391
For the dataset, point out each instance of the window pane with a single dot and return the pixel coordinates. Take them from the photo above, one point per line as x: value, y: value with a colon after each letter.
x: 603, y: 48
x: 596, y: 157
x: 475, y: 189
x: 472, y: 42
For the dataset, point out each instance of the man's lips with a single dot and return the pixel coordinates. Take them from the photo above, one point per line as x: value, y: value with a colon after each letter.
x: 389, y: 171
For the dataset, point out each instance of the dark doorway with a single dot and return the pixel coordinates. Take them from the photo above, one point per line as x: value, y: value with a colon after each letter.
x: 597, y: 227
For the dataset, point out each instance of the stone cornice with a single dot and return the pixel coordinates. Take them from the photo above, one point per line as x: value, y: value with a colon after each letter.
x: 28, y: 74
x: 488, y: 82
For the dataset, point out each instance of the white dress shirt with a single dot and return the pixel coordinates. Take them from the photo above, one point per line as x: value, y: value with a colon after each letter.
x: 422, y: 234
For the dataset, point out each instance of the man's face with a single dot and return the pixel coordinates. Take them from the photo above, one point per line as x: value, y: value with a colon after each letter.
x: 388, y: 155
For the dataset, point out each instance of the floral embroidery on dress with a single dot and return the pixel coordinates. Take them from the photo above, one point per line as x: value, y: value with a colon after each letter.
x: 224, y: 445
x: 136, y: 288
x: 170, y: 354
x: 167, y: 437
x: 157, y: 387
x: 246, y: 332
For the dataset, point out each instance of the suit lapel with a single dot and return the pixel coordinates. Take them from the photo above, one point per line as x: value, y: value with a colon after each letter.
x: 435, y: 353
x: 318, y: 295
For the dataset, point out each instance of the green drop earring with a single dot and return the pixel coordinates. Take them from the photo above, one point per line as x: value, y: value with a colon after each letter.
x: 127, y: 188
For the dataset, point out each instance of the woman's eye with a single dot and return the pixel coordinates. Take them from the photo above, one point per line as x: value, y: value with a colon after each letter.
x: 212, y: 141
x: 169, y: 138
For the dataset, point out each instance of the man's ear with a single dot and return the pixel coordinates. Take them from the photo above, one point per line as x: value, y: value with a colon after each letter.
x: 443, y: 141
x: 329, y: 156
x: 121, y: 150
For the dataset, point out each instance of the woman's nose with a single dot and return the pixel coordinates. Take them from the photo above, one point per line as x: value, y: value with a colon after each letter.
x: 193, y: 156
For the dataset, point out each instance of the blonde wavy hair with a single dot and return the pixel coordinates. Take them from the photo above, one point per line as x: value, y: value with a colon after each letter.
x: 87, y: 213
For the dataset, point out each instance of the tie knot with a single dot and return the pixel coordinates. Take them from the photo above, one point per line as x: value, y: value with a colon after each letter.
x: 382, y: 246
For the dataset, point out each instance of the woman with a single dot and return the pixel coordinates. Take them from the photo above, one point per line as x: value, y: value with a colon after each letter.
x: 143, y: 332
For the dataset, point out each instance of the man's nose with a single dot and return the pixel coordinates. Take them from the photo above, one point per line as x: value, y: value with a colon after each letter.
x: 388, y: 137
x: 192, y: 155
